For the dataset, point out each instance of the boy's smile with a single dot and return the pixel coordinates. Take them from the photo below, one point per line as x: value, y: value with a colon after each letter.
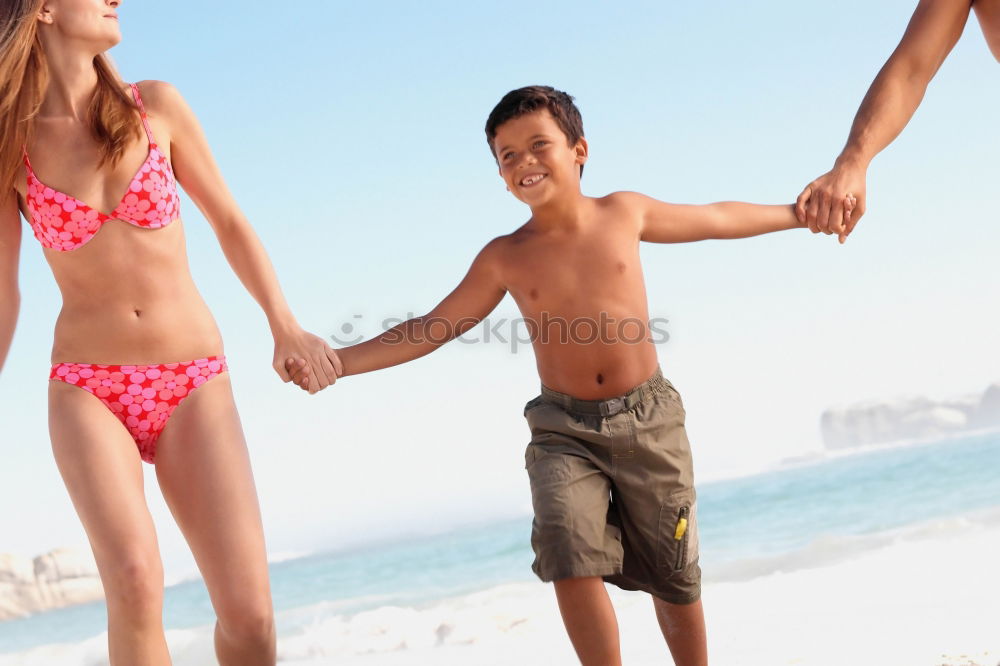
x: 536, y: 161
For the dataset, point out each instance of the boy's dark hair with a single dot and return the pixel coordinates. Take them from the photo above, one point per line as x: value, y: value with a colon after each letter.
x: 529, y: 99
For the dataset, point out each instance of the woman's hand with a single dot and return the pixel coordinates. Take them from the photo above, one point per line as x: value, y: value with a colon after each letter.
x: 301, y: 349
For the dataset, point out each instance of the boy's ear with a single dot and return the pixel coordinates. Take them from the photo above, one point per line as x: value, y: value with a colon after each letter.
x: 582, y: 151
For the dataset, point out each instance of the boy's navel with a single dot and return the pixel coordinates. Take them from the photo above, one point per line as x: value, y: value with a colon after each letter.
x: 533, y: 294
x: 621, y: 266
x: 600, y: 378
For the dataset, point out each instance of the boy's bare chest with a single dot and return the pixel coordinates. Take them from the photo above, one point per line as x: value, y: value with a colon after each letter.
x: 574, y: 274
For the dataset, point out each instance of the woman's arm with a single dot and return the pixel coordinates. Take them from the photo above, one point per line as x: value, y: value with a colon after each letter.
x: 10, y: 251
x: 198, y: 173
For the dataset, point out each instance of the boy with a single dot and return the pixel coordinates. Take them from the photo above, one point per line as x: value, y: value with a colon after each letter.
x: 609, y: 462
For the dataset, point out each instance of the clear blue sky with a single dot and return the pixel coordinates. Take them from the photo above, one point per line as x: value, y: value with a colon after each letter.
x: 352, y: 136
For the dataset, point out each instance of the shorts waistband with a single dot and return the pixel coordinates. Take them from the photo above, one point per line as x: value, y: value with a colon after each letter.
x: 609, y: 406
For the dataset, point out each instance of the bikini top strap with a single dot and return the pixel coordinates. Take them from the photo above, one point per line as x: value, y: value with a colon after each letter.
x: 142, y: 112
x: 27, y: 162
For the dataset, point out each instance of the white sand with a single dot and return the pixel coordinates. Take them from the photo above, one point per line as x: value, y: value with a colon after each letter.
x: 930, y: 602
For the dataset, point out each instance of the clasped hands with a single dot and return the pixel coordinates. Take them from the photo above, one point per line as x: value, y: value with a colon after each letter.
x: 306, y: 360
x: 834, y: 202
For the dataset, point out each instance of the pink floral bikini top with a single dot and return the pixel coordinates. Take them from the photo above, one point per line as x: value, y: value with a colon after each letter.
x: 65, y: 223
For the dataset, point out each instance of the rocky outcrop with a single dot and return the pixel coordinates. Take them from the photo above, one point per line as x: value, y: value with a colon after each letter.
x: 914, y: 418
x: 988, y: 413
x: 60, y: 578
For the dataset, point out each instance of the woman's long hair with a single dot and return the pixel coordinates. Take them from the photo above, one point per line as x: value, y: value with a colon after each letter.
x: 24, y: 77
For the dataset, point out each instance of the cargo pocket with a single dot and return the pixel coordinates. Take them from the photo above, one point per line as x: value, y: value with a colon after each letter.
x: 678, y: 541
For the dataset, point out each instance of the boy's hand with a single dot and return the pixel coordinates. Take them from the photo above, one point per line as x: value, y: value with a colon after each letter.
x: 849, y: 208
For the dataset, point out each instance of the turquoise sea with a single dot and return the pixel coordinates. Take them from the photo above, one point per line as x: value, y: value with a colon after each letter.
x: 793, y: 516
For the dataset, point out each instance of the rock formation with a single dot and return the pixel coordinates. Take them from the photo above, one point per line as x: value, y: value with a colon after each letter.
x: 914, y: 418
x: 61, y: 578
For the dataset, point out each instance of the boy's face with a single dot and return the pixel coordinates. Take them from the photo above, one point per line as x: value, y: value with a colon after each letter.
x: 536, y: 161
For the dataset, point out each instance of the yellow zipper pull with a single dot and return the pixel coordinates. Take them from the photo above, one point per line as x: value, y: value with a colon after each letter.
x: 682, y: 525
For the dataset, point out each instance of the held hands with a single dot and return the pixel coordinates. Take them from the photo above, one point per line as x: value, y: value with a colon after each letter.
x: 300, y: 372
x: 307, y: 360
x: 833, y: 203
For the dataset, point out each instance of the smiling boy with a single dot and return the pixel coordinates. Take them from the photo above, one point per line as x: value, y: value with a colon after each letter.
x: 609, y: 461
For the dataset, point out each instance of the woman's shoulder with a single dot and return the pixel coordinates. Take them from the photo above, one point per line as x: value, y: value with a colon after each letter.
x: 159, y: 97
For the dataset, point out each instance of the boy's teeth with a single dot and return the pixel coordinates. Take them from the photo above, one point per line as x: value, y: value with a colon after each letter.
x: 531, y: 180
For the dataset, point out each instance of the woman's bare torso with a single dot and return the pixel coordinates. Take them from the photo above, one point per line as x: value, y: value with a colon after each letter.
x: 128, y: 296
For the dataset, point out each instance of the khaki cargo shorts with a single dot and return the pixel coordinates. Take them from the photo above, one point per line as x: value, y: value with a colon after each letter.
x: 613, y: 491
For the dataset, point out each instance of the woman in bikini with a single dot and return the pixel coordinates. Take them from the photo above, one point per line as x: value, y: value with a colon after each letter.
x: 138, y: 368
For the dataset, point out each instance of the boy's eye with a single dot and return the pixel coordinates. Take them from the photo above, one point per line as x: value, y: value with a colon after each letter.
x: 509, y: 154
x: 539, y: 144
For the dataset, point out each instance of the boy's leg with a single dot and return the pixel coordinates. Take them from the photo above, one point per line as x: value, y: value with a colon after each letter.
x: 575, y: 534
x: 590, y: 620
x: 684, y: 628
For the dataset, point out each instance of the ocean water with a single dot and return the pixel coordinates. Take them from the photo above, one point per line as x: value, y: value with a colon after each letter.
x: 796, y: 516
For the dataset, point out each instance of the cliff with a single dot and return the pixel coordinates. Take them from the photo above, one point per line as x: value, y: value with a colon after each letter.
x: 876, y: 422
x: 60, y: 578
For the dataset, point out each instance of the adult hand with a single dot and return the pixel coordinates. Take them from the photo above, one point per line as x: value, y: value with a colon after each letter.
x: 822, y: 204
x: 300, y: 372
x: 305, y: 350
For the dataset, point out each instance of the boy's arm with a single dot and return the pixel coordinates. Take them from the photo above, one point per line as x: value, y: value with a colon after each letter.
x: 681, y: 223
x: 891, y: 101
x: 476, y: 296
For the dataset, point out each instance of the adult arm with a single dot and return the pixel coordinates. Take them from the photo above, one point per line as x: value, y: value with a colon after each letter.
x: 891, y: 101
x: 10, y: 251
x: 198, y: 173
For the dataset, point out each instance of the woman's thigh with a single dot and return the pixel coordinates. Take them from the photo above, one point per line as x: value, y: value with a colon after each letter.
x: 203, y: 468
x: 100, y: 465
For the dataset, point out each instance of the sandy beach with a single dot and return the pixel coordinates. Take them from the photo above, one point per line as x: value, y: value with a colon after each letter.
x: 927, y: 600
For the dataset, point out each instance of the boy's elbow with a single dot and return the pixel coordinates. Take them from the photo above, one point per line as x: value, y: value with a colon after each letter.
x: 720, y: 223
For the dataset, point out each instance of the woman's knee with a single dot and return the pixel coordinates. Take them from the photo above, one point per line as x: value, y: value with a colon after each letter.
x: 249, y: 623
x: 133, y: 582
